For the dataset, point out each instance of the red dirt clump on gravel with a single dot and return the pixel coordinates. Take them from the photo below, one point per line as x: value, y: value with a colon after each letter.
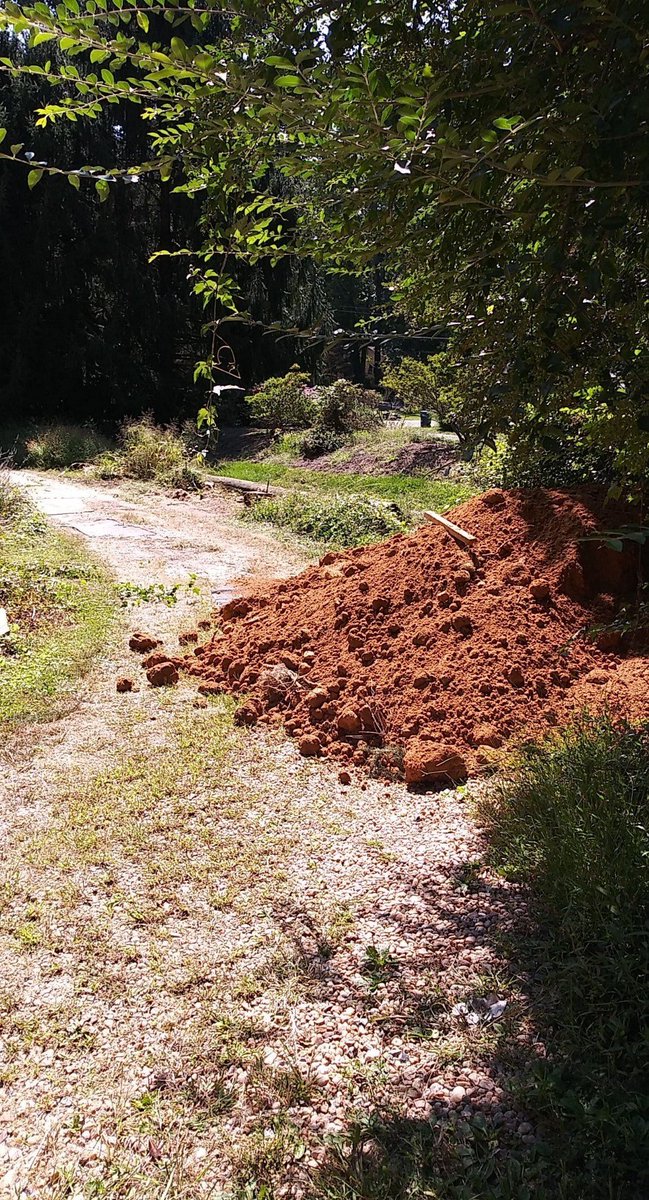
x: 444, y: 650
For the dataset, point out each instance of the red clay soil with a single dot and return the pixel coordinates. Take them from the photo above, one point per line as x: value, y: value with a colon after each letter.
x: 444, y: 651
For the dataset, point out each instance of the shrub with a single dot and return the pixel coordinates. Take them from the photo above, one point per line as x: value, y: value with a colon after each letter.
x: 149, y: 452
x: 57, y: 446
x: 284, y: 402
x: 440, y: 385
x: 572, y: 818
x: 414, y: 382
x: 320, y: 441
x: 335, y: 520
x: 346, y: 407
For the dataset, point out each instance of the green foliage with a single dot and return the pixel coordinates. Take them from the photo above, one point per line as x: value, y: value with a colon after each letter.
x: 12, y: 501
x: 284, y: 402
x: 60, y: 606
x: 60, y: 445
x: 149, y: 453
x: 319, y: 441
x: 448, y: 1157
x: 491, y: 158
x: 572, y: 818
x: 134, y: 594
x: 407, y: 491
x: 336, y: 521
x: 346, y: 407
x: 415, y: 382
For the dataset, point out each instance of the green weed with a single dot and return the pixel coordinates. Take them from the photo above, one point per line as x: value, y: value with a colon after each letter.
x: 59, y: 445
x: 133, y: 594
x: 59, y: 605
x: 335, y: 521
x: 148, y: 452
x: 410, y: 492
x: 572, y: 818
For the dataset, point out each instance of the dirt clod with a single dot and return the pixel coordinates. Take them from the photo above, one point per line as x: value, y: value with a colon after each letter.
x: 124, y: 684
x: 309, y: 746
x: 142, y: 642
x: 426, y: 762
x: 162, y: 675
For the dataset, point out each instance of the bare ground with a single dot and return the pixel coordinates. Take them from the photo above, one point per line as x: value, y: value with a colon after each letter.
x: 213, y: 956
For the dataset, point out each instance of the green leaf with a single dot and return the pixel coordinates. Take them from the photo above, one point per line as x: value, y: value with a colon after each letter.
x: 34, y: 177
x: 74, y: 182
x: 287, y: 81
x: 16, y: 148
x: 3, y: 134
x: 507, y: 122
x: 102, y: 189
x: 143, y: 21
x: 276, y: 61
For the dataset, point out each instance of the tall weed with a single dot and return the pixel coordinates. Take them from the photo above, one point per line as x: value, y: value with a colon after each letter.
x: 336, y: 521
x: 572, y: 819
x: 61, y: 445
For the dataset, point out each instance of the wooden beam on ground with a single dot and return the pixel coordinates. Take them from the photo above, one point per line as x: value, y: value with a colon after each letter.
x: 454, y: 530
x: 245, y: 485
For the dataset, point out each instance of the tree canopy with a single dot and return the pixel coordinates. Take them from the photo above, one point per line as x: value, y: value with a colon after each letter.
x: 492, y: 157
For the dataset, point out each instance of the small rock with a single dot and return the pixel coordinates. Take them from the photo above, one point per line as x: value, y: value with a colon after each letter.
x: 246, y: 714
x: 186, y: 636
x: 597, y: 677
x: 124, y: 684
x: 210, y: 688
x: 309, y: 746
x: 486, y: 735
x: 141, y: 642
x: 540, y: 589
x: 344, y: 777
x: 426, y: 762
x: 317, y: 698
x: 348, y: 721
x: 162, y: 675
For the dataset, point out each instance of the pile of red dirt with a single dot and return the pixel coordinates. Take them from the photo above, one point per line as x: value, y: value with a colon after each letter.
x: 433, y: 652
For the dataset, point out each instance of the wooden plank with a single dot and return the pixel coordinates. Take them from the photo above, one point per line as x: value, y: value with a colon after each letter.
x: 245, y: 485
x: 454, y: 530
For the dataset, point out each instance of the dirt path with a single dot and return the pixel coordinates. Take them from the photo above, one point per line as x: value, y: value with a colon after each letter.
x: 214, y: 957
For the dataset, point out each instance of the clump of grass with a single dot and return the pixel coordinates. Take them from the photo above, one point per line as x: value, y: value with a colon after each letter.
x: 393, y: 1157
x: 150, y: 453
x: 335, y: 521
x: 410, y: 492
x: 59, y: 604
x: 573, y: 820
x: 61, y: 445
x: 12, y: 501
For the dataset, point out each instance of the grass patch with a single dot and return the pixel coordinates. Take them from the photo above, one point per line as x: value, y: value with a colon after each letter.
x: 337, y: 521
x: 391, y: 1157
x: 60, y: 445
x: 410, y: 492
x: 573, y: 819
x: 59, y: 604
x: 150, y: 453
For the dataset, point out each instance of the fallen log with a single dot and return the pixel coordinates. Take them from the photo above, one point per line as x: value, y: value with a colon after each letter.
x: 454, y: 530
x: 246, y: 485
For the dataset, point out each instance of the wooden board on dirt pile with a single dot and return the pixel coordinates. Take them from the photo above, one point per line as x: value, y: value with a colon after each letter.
x: 454, y: 530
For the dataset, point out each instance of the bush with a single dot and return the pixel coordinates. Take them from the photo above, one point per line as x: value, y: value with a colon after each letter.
x: 149, y: 452
x: 284, y: 402
x: 337, y: 521
x: 572, y: 818
x: 442, y: 386
x: 346, y: 407
x: 320, y: 441
x: 57, y: 446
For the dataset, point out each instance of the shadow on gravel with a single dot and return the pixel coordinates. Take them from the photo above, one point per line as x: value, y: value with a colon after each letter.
x: 537, y: 1141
